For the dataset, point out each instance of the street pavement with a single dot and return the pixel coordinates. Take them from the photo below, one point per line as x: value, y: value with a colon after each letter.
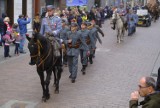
x: 108, y: 81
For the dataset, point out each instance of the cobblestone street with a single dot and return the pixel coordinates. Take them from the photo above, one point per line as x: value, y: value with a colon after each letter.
x: 108, y: 81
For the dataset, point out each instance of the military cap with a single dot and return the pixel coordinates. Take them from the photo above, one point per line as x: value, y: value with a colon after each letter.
x: 73, y: 24
x: 88, y: 23
x: 49, y: 7
x: 84, y: 23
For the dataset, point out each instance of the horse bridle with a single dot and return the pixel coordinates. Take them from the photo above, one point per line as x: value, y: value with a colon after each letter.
x: 43, y: 58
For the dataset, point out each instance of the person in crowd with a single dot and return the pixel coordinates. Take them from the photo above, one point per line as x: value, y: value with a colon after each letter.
x: 51, y: 23
x: 98, y: 18
x: 36, y: 23
x: 131, y: 23
x: 2, y: 31
x: 135, y: 16
x: 8, y: 40
x: 22, y: 22
x: 73, y: 43
x: 147, y: 86
x: 17, y: 37
x: 158, y: 81
x: 92, y: 46
x: 63, y: 36
x: 84, y: 49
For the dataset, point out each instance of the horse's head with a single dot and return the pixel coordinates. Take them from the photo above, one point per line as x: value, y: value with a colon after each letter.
x: 35, y: 46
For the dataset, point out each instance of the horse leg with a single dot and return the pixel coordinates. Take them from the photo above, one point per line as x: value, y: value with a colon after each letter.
x: 55, y: 77
x: 47, y: 82
x: 41, y: 75
x: 118, y: 36
x: 58, y: 72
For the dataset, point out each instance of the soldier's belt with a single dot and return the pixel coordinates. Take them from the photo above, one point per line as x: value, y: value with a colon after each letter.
x: 88, y: 41
x: 77, y: 45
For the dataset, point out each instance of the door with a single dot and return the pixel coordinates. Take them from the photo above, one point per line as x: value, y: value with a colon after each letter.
x: 24, y: 7
x: 10, y: 10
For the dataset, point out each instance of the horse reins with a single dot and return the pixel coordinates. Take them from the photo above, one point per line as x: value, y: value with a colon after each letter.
x: 43, y: 58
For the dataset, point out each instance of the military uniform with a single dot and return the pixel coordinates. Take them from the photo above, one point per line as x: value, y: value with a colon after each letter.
x: 51, y: 25
x: 63, y: 36
x: 84, y: 49
x: 92, y: 47
x: 73, y: 51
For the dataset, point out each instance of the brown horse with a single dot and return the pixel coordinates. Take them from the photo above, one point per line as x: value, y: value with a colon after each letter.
x: 153, y: 9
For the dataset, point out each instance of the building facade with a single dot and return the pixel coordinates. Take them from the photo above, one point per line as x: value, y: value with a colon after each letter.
x: 13, y: 8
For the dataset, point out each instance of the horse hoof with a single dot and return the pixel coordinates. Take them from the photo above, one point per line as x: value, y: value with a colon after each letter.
x: 54, y: 85
x: 48, y: 97
x: 44, y: 99
x: 56, y: 91
x: 83, y: 73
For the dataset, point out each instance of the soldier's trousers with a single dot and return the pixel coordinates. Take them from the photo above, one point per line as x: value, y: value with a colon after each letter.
x: 73, y: 66
x: 83, y: 55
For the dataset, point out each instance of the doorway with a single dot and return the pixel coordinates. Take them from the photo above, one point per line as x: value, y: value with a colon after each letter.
x: 10, y: 10
x: 24, y: 7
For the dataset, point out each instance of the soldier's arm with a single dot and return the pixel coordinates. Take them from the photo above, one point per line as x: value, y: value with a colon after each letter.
x: 99, y: 39
x: 92, y: 40
x: 99, y: 30
x: 42, y: 27
x: 59, y: 27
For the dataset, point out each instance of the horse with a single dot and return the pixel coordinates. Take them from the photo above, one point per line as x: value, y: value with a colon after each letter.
x: 153, y: 8
x: 42, y: 55
x: 119, y: 26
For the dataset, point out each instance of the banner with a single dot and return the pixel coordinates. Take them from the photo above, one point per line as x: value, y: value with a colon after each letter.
x: 76, y: 2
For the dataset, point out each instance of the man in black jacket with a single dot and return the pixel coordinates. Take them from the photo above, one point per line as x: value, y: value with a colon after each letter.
x: 2, y: 31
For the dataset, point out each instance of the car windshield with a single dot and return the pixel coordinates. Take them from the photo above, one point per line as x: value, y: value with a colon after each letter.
x: 142, y: 12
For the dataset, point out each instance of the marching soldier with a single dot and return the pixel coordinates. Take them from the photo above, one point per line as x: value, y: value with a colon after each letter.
x: 95, y: 29
x: 73, y: 43
x: 92, y: 46
x: 63, y: 36
x: 84, y: 50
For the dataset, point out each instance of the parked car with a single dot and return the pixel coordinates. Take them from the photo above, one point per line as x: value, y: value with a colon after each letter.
x: 144, y: 18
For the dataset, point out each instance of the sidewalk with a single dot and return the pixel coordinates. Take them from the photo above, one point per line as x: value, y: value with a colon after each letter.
x: 12, y: 48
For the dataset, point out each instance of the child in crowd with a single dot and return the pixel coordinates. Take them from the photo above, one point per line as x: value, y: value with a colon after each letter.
x: 16, y: 36
x: 8, y: 40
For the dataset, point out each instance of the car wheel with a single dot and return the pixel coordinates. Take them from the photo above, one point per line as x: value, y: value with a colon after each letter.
x: 147, y: 24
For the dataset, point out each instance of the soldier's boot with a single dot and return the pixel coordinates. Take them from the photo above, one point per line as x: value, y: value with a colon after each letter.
x: 90, y: 59
x: 83, y: 69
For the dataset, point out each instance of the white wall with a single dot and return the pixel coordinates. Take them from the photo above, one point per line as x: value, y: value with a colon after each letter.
x: 30, y: 13
x: 17, y: 9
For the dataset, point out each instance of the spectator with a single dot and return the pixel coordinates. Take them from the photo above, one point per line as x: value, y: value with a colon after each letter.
x: 2, y: 32
x: 16, y: 36
x: 146, y: 89
x: 22, y: 22
x: 7, y: 40
x: 36, y: 23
